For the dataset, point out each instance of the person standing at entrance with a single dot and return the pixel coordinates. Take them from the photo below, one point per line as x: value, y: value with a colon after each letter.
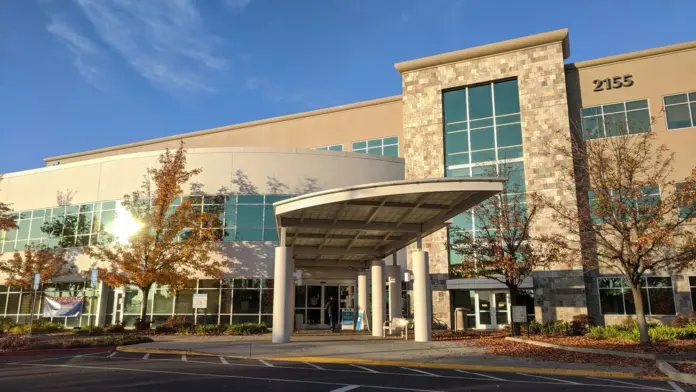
x: 332, y: 309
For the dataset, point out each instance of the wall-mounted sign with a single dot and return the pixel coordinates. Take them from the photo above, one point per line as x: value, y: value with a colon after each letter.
x: 614, y: 82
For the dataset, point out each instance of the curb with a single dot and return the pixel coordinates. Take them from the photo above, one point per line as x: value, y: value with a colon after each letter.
x: 56, y: 351
x: 675, y: 374
x: 452, y: 366
x: 584, y: 349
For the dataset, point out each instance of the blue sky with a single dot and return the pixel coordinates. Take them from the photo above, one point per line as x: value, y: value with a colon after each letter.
x: 83, y: 74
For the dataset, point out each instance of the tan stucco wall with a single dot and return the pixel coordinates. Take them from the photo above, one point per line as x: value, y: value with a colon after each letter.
x: 298, y: 170
x: 338, y: 125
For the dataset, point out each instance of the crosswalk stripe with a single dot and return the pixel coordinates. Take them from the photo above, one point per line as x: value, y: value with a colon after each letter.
x: 146, y: 356
x: 223, y: 360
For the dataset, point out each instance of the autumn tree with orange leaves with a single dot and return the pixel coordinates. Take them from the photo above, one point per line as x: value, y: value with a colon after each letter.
x: 632, y: 218
x: 21, y: 268
x: 504, y: 248
x: 172, y: 245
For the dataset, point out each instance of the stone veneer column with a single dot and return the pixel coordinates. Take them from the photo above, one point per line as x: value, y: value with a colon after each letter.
x: 539, y: 69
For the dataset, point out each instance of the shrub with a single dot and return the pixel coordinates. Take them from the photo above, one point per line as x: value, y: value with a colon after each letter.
x: 177, y: 322
x: 115, y: 328
x: 581, y: 324
x: 247, y: 329
x: 164, y: 330
x: 680, y: 321
x: 210, y: 329
x: 95, y: 330
x: 555, y: 328
x: 534, y: 327
x: 6, y: 324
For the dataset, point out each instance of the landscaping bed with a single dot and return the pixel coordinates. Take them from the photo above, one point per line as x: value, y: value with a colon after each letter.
x: 684, y: 367
x: 671, y: 347
x: 13, y: 343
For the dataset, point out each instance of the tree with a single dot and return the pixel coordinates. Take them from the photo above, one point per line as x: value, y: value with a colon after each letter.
x: 173, y: 242
x: 631, y: 217
x: 20, y: 269
x: 504, y: 248
x: 7, y: 222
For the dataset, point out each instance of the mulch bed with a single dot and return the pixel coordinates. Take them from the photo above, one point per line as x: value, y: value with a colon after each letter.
x: 684, y: 367
x: 495, y: 344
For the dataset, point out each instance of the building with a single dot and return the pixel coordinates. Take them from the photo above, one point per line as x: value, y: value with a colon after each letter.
x: 459, y: 113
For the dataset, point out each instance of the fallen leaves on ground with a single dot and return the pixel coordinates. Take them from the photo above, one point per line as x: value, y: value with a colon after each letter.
x: 671, y: 347
x: 685, y: 367
x: 495, y: 344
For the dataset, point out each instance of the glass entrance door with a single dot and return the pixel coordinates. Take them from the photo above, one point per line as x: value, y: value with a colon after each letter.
x: 314, y: 306
x: 492, y: 309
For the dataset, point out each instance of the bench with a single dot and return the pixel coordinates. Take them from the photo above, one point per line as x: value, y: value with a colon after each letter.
x: 398, y: 323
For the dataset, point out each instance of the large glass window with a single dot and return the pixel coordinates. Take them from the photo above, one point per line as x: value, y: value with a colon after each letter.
x: 332, y: 147
x: 643, y: 204
x: 680, y: 110
x: 616, y: 119
x: 237, y: 218
x: 482, y: 124
x: 685, y: 207
x: 387, y: 146
x: 616, y: 298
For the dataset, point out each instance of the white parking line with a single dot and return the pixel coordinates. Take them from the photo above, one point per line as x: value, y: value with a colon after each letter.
x: 266, y: 363
x: 364, y: 368
x: 146, y: 356
x: 113, y: 354
x: 421, y: 371
x: 183, y: 357
x: 482, y: 375
x: 223, y: 360
x: 314, y: 366
x: 42, y: 359
x: 346, y: 388
x: 229, y: 376
x: 675, y: 386
x: 550, y: 378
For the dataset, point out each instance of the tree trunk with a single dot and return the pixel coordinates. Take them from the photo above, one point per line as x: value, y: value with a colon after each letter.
x: 640, y: 315
x: 143, y: 308
x: 515, y: 328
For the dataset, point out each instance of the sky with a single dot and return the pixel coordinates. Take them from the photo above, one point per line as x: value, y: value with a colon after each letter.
x: 77, y: 75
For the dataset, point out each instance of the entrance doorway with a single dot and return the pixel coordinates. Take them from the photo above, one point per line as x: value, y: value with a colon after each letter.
x: 311, y: 299
x: 492, y: 309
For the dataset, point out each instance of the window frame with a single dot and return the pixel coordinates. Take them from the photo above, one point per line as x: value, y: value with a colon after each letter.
x: 382, y: 146
x: 601, y: 115
x: 688, y: 103
x: 328, y: 147
x: 626, y: 291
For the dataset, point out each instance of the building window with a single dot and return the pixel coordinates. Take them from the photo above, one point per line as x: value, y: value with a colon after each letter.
x: 482, y: 124
x: 692, y: 289
x: 680, y: 110
x: 333, y: 147
x: 685, y: 208
x: 643, y: 205
x: 240, y: 218
x: 658, y: 297
x: 386, y: 146
x: 616, y: 119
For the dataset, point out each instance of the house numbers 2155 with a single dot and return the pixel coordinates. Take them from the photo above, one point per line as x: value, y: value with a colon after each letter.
x: 613, y: 82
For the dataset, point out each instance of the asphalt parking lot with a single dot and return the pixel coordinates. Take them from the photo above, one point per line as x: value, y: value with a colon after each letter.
x: 115, y: 371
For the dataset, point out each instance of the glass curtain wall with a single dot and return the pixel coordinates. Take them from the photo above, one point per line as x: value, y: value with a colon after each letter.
x: 16, y: 303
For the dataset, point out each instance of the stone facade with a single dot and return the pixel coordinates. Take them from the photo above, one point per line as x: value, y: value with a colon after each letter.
x: 544, y: 110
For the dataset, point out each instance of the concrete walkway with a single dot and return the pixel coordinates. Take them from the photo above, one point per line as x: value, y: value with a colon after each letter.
x: 360, y: 348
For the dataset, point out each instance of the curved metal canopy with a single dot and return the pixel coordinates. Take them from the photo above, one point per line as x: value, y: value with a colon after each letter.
x: 372, y: 221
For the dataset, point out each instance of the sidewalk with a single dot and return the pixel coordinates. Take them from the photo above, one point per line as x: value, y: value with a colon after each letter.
x: 363, y: 349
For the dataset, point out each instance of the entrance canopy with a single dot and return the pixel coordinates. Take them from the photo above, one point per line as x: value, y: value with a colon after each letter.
x: 354, y: 225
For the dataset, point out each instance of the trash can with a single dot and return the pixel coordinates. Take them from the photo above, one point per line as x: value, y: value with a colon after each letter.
x: 459, y: 319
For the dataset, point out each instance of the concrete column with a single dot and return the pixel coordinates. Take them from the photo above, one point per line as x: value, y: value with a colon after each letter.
x: 363, y: 303
x: 422, y: 299
x: 281, y: 294
x: 378, y: 291
x: 394, y: 278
